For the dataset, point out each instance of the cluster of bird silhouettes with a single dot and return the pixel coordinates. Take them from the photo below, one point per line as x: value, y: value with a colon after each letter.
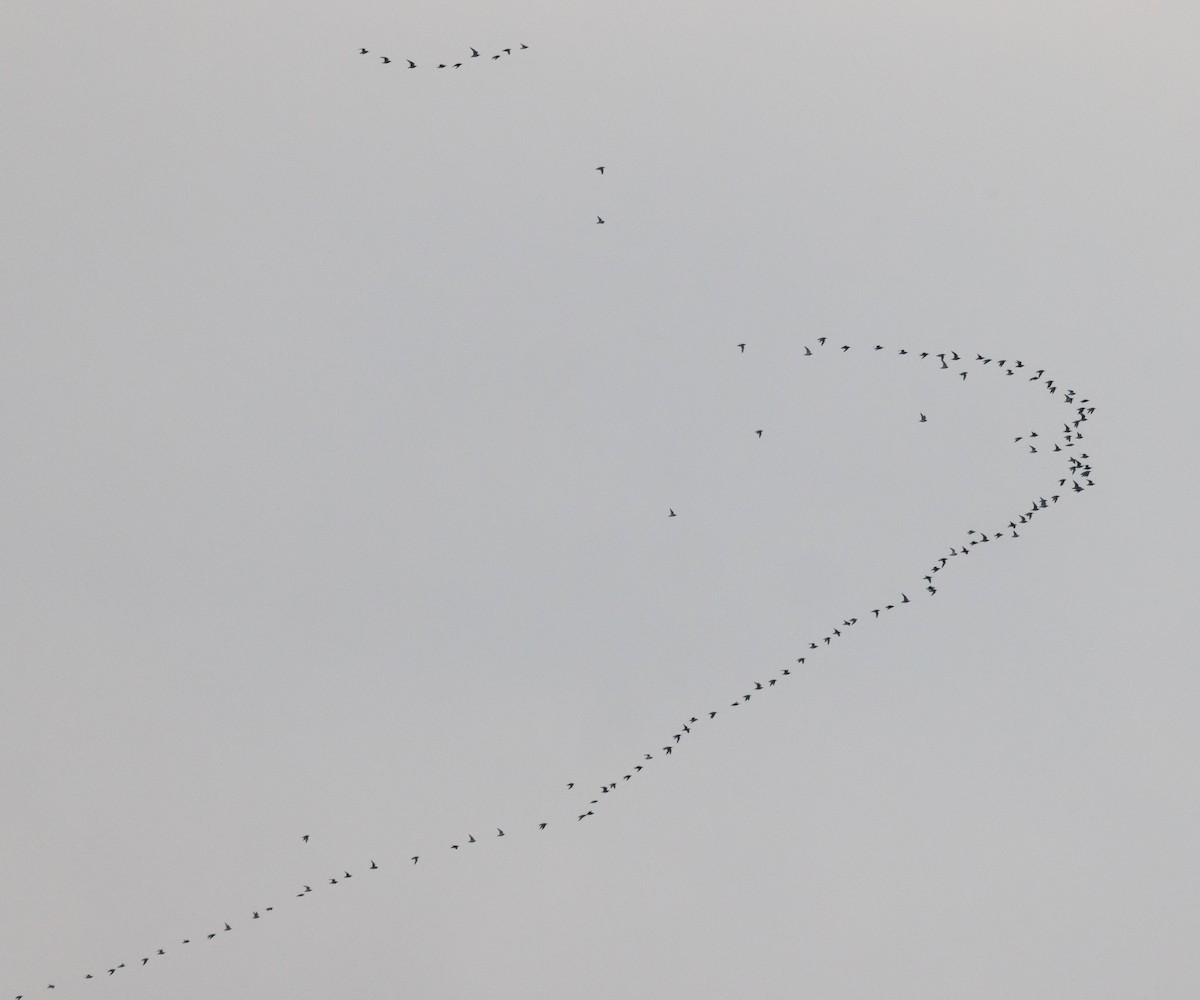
x: 387, y: 60
x: 1078, y: 472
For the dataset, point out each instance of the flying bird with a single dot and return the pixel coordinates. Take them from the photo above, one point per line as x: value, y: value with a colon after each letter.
x: 672, y: 513
x: 759, y: 433
x: 922, y: 418
x: 599, y: 221
x: 305, y: 838
x: 741, y: 348
x: 411, y: 64
x: 601, y: 169
x: 385, y: 59
x: 474, y: 52
x: 362, y: 52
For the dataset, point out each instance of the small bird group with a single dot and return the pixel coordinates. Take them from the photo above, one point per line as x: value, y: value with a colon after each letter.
x: 386, y: 60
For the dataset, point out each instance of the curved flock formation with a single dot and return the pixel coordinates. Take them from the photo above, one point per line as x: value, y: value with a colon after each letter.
x: 1076, y: 477
x: 462, y: 60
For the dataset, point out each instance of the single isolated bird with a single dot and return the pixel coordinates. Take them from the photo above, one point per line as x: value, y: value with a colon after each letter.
x: 599, y: 221
x: 601, y: 169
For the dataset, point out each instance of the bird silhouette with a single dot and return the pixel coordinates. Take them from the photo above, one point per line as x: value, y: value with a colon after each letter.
x: 385, y: 59
x: 741, y: 348
x: 362, y: 52
x: 411, y: 64
x: 599, y: 221
x: 672, y: 512
x: 601, y: 169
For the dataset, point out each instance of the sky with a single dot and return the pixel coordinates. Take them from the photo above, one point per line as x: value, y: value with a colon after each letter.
x: 338, y: 444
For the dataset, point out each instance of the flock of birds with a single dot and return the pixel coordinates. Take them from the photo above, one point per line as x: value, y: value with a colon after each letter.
x: 1076, y: 471
x: 387, y: 60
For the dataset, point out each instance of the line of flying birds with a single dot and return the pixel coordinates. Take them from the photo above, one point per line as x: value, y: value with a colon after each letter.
x: 1078, y: 471
x: 386, y: 60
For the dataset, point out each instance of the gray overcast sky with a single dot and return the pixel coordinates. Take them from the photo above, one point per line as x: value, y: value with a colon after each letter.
x: 338, y: 440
